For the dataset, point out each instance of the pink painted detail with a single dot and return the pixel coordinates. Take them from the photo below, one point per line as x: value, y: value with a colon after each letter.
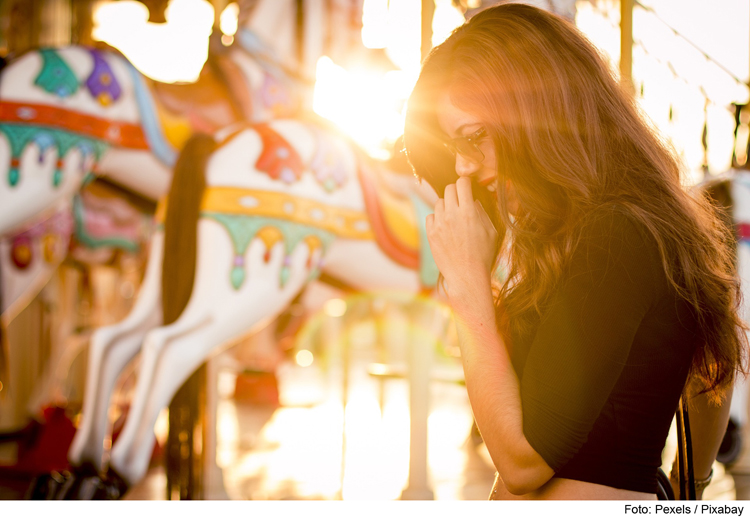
x: 106, y: 217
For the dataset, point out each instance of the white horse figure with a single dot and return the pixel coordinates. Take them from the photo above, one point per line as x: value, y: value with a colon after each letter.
x: 67, y: 113
x: 70, y: 112
x: 283, y: 202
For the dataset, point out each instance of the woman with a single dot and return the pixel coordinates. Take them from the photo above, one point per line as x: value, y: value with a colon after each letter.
x: 620, y: 285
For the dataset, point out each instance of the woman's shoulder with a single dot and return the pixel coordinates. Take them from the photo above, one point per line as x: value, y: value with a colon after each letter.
x: 614, y: 238
x: 614, y: 225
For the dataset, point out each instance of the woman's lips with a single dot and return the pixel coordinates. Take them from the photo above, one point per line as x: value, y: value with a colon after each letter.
x: 489, y: 183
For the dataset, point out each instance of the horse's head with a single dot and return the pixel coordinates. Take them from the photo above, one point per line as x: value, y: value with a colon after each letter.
x: 293, y: 34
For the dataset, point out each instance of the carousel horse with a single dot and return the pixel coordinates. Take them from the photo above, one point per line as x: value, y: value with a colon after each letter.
x: 280, y: 203
x: 67, y: 113
x: 51, y: 98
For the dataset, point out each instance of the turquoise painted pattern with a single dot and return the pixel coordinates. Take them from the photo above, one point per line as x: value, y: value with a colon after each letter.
x: 243, y: 229
x: 56, y: 77
x: 19, y: 136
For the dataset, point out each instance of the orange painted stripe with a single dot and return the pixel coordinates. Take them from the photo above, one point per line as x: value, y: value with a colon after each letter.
x: 118, y: 133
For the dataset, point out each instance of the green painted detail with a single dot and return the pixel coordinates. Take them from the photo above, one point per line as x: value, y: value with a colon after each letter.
x: 242, y: 230
x: 13, y: 176
x: 20, y: 136
x: 56, y: 76
x: 284, y: 275
x: 314, y: 274
x: 237, y: 276
x: 428, y: 270
x: 87, y: 240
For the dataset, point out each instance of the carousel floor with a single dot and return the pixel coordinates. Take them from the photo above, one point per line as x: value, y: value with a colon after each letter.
x: 308, y: 448
x: 316, y: 445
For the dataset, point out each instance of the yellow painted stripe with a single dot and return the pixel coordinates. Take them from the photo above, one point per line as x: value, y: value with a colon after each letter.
x: 342, y: 222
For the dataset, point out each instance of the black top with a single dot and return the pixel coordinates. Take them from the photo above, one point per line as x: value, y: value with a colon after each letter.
x: 602, y: 372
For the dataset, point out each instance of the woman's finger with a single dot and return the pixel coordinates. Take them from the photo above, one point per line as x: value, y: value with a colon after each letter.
x: 463, y: 191
x: 439, y: 208
x: 450, y: 198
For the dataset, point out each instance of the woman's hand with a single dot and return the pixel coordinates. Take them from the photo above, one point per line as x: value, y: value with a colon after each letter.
x: 462, y: 239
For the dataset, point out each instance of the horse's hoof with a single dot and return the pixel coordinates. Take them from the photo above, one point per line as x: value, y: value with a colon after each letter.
x: 47, y: 486
x: 113, y: 487
x: 82, y: 485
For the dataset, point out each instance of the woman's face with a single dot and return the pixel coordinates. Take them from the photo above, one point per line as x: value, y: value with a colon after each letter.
x: 474, y: 151
x: 475, y: 156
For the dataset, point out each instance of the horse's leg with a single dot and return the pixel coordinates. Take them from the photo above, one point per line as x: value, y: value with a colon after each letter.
x: 215, y: 314
x: 111, y: 349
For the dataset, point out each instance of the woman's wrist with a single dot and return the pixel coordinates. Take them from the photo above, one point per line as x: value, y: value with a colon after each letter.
x: 472, y: 301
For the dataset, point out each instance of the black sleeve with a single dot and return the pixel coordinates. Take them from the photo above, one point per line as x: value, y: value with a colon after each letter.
x: 584, y: 339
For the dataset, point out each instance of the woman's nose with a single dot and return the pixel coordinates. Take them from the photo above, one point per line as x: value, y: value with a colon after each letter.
x: 465, y: 166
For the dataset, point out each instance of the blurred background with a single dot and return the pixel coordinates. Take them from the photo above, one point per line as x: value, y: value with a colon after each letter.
x: 322, y: 403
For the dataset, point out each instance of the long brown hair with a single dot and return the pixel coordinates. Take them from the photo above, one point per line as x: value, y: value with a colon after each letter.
x: 572, y: 142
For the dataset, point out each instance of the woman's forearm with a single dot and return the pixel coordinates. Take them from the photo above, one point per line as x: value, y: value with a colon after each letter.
x: 493, y: 391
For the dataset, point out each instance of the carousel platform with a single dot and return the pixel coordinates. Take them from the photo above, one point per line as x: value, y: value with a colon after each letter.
x: 307, y: 448
x: 332, y: 437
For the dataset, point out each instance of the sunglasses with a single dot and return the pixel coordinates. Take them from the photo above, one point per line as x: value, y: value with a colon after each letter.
x: 468, y: 146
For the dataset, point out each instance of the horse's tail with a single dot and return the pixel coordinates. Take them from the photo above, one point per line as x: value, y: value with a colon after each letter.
x: 181, y: 225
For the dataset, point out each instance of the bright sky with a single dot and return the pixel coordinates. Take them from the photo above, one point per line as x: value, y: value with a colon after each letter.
x: 721, y: 31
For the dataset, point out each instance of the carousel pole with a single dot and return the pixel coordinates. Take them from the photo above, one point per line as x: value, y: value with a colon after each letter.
x: 82, y: 22
x: 211, y: 480
x: 420, y: 356
x: 626, y: 45
x: 428, y: 12
x: 420, y: 364
x: 23, y: 25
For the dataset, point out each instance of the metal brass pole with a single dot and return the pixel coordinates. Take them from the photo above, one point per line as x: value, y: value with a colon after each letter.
x: 626, y: 44
x: 428, y: 11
